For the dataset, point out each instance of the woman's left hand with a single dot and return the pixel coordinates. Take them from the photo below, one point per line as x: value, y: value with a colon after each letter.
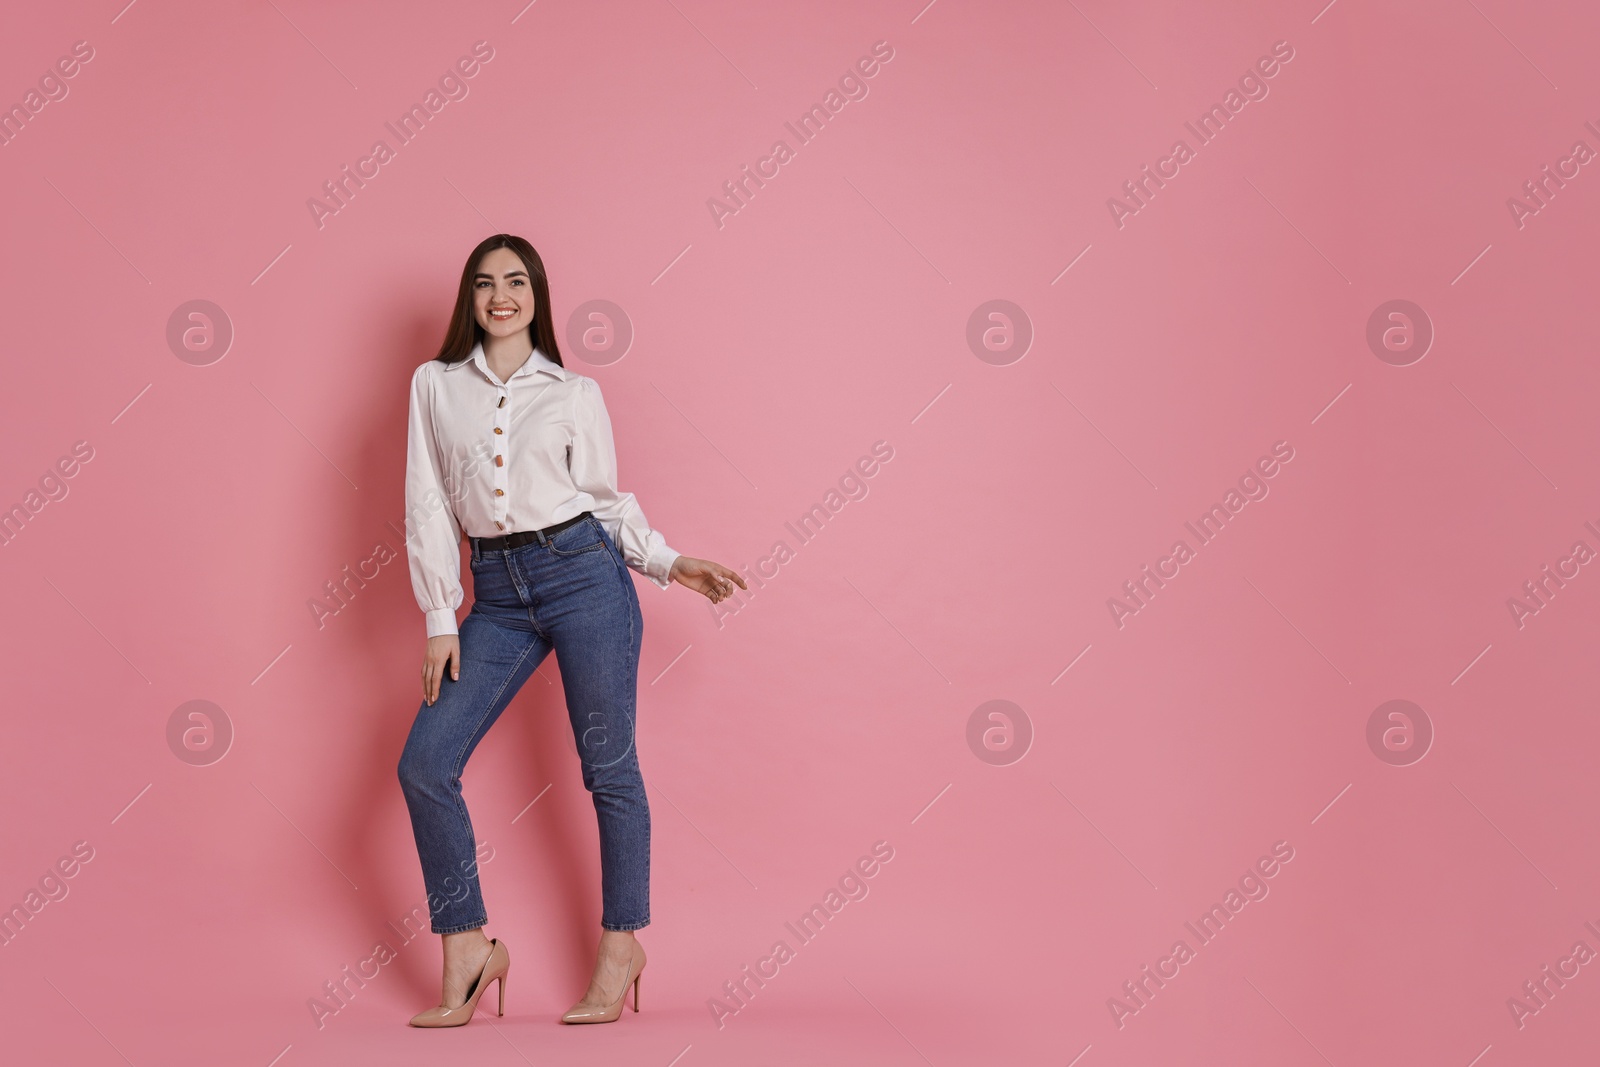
x: 703, y: 576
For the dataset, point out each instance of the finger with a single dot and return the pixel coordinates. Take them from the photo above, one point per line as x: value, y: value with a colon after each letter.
x: 735, y: 576
x: 455, y: 664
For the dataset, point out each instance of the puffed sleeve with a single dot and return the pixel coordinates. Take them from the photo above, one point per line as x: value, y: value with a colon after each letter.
x: 433, y: 537
x: 593, y: 464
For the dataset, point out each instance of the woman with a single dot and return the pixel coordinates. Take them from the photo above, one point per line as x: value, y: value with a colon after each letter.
x: 507, y: 445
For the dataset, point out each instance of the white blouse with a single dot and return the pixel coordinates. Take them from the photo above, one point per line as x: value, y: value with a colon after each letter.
x: 490, y: 458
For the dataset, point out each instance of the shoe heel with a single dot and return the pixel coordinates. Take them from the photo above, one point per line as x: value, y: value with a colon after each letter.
x: 636, y: 990
x: 503, y: 995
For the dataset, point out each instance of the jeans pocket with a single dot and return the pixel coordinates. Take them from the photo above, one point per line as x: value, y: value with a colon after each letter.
x: 578, y: 539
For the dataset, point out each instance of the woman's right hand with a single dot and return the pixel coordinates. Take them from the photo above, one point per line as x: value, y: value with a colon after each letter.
x: 444, y: 649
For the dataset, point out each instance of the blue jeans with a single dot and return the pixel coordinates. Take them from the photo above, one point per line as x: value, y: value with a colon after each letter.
x: 571, y: 592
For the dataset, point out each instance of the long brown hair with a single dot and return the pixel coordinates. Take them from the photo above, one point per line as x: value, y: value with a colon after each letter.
x: 464, y: 331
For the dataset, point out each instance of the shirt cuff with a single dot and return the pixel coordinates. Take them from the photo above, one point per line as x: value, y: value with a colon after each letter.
x: 441, y: 622
x: 659, y: 566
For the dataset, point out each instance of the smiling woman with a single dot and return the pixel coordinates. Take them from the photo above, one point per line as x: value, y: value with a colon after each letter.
x: 553, y: 540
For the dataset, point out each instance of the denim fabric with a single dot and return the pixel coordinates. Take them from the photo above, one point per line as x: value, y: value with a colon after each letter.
x: 573, y: 593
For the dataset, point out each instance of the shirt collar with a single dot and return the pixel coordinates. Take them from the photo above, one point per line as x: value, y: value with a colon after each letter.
x: 536, y: 362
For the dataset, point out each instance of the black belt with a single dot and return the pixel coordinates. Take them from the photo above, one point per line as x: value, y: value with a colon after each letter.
x: 523, y: 537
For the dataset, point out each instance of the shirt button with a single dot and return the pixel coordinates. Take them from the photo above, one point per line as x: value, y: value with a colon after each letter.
x: 498, y: 525
x: 499, y: 461
x: 498, y: 430
x: 499, y: 492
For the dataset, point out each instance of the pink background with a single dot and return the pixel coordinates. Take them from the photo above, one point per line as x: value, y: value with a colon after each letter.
x: 832, y: 710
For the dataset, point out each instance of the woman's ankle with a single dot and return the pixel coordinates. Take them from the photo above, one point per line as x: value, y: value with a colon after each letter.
x: 616, y: 943
x: 464, y: 941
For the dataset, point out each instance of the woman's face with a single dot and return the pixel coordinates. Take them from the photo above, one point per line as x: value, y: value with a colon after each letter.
x: 502, y: 294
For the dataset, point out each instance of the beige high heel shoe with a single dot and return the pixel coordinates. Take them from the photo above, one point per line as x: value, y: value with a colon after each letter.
x: 494, y: 969
x: 580, y: 1013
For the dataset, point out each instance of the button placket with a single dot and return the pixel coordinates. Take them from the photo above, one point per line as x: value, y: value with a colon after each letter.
x: 502, y: 417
